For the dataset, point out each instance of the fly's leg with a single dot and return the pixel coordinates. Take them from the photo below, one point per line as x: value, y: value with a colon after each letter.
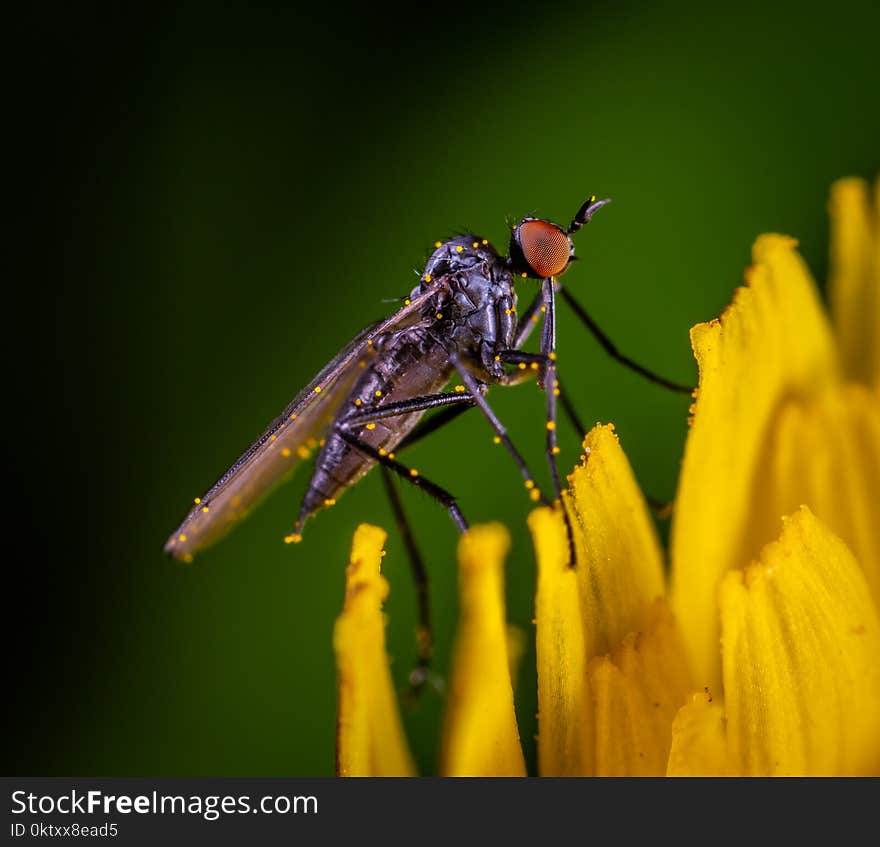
x: 420, y: 674
x: 612, y: 350
x: 475, y: 390
x: 411, y: 475
x: 454, y: 403
x: 358, y: 419
x: 661, y: 508
x: 546, y: 373
x: 432, y: 424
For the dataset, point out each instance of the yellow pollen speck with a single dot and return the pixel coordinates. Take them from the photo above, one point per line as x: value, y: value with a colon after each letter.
x: 438, y: 243
x: 197, y: 500
x: 485, y: 241
x: 552, y: 357
x: 407, y: 302
x: 391, y: 456
x: 303, y: 452
x: 285, y: 452
x: 551, y: 425
x: 459, y: 249
x: 556, y: 450
x: 181, y: 537
x: 311, y: 443
x: 205, y: 509
x: 369, y: 342
x: 459, y: 388
x: 513, y: 228
x: 543, y: 309
x: 427, y: 277
x: 498, y: 358
x: 555, y: 392
x: 362, y: 364
x: 439, y: 315
x: 317, y: 389
x: 358, y: 402
x: 497, y: 439
x: 293, y: 416
x: 534, y: 366
x: 413, y: 472
x: 378, y: 393
x: 529, y: 483
x: 523, y: 274
x: 329, y: 502
x: 522, y: 366
x: 476, y: 244
x: 322, y: 442
x: 371, y: 426
x: 293, y: 538
x: 534, y: 319
x: 383, y: 451
x: 535, y: 495
x: 272, y: 437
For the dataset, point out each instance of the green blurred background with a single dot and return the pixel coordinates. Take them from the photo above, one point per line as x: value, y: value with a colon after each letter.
x: 217, y: 198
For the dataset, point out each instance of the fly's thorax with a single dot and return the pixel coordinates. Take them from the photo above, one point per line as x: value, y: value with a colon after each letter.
x: 474, y: 306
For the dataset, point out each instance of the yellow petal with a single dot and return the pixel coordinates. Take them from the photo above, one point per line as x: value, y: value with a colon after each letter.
x: 565, y: 708
x: 826, y: 454
x: 370, y: 739
x: 593, y: 609
x: 637, y: 691
x: 773, y: 342
x: 699, y: 739
x: 620, y: 563
x: 801, y: 657
x: 480, y: 734
x: 854, y: 280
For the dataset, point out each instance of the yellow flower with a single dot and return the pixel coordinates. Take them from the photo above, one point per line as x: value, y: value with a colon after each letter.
x: 764, y: 655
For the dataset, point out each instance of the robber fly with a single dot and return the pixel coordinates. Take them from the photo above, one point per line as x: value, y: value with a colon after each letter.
x: 365, y: 406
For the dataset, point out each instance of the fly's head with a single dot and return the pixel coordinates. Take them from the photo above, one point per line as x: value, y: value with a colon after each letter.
x: 540, y: 249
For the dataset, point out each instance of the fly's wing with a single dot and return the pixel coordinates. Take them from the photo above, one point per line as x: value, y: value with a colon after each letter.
x: 288, y: 439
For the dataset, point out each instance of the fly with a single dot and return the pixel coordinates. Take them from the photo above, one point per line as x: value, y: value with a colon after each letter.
x: 459, y: 323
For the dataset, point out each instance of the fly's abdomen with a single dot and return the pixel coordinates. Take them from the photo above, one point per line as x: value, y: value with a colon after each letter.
x: 410, y: 366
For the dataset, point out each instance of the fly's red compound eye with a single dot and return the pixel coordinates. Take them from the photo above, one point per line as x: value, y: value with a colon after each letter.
x: 545, y: 247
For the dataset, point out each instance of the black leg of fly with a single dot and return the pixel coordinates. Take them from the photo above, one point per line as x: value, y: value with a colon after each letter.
x: 610, y: 348
x: 421, y: 673
x: 476, y: 390
x: 547, y: 380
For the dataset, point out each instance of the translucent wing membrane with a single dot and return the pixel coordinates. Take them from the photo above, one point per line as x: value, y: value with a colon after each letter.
x: 290, y: 438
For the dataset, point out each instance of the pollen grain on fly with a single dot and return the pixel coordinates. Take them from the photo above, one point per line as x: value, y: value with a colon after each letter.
x: 286, y: 452
x: 293, y: 538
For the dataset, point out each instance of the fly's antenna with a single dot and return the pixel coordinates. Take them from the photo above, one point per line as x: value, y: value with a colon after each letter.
x: 586, y: 212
